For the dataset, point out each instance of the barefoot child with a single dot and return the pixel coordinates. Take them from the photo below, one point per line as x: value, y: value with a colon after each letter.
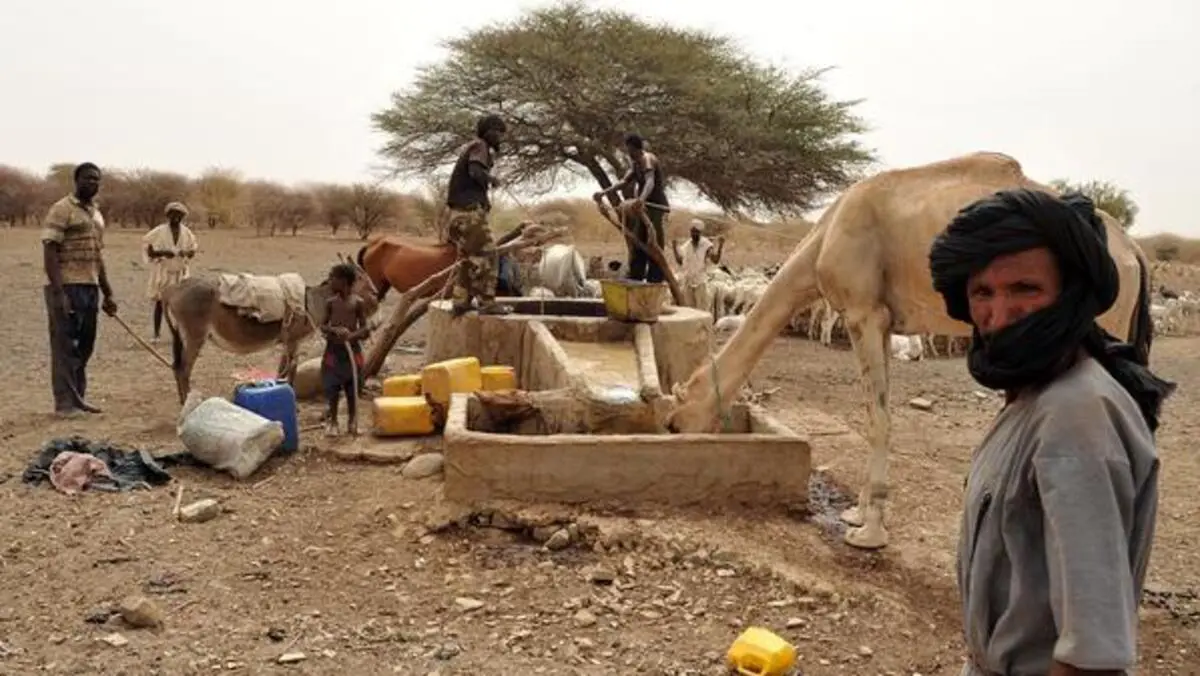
x: 345, y: 325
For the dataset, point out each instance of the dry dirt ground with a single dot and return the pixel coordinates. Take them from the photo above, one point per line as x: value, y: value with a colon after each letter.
x: 336, y: 560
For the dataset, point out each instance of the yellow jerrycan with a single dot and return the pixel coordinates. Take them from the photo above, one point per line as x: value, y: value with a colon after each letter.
x: 760, y: 652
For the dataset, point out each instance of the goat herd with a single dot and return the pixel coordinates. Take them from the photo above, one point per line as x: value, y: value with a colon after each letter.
x: 562, y: 272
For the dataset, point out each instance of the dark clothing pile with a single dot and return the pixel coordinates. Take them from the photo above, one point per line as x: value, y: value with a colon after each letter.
x: 127, y: 468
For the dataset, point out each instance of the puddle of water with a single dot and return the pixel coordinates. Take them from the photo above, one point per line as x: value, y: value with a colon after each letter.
x: 604, y: 364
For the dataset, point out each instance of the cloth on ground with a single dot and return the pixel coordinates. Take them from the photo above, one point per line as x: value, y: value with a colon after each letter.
x: 75, y: 463
x: 266, y: 298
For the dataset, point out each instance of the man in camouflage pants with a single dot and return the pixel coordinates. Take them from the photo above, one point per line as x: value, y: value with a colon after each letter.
x: 467, y: 220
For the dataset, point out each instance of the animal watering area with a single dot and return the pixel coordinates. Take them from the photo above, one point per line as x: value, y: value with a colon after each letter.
x: 560, y: 402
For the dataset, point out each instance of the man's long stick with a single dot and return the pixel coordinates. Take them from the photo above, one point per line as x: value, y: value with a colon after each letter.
x: 143, y: 343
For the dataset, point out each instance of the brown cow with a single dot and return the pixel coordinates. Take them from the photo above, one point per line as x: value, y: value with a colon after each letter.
x: 399, y: 263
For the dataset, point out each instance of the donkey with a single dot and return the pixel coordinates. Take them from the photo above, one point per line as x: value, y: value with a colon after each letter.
x: 194, y: 313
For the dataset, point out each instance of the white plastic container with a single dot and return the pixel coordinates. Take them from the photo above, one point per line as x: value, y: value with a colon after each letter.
x: 227, y: 437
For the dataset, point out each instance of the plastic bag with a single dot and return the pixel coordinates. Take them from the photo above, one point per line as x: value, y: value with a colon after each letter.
x: 227, y: 437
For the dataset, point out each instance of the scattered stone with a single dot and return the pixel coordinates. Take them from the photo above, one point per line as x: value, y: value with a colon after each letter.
x: 292, y: 658
x: 543, y: 533
x: 602, y: 575
x: 585, y: 618
x: 504, y: 521
x: 865, y: 651
x: 447, y: 651
x: 115, y: 640
x: 794, y: 622
x: 468, y: 604
x: 276, y: 634
x: 423, y: 466
x: 200, y: 511
x: 99, y: 615
x: 921, y: 404
x: 140, y: 612
x: 561, y: 539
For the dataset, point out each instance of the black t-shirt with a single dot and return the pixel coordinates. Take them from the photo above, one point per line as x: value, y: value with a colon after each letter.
x: 464, y: 191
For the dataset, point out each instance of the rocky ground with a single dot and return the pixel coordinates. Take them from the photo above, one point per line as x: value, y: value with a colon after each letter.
x: 316, y: 565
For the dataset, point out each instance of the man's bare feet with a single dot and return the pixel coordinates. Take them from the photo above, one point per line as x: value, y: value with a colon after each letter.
x: 331, y: 428
x: 352, y: 427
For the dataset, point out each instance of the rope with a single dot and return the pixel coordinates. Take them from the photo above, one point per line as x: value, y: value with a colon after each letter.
x: 724, y: 415
x: 504, y: 186
x: 353, y: 379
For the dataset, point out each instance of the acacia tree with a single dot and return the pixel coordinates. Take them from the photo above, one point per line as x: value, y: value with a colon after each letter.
x: 20, y: 195
x: 371, y: 206
x: 218, y: 193
x: 335, y: 205
x: 571, y: 81
x: 1113, y: 199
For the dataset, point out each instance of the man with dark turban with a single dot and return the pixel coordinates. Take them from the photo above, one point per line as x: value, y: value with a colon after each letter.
x: 467, y: 226
x: 1062, y: 494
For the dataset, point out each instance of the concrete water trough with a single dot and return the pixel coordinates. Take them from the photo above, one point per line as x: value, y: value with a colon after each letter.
x: 587, y: 426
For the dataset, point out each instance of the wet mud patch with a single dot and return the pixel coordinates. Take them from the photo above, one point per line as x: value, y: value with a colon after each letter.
x: 827, y: 499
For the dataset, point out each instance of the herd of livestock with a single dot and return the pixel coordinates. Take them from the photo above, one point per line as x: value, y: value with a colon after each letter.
x: 563, y: 272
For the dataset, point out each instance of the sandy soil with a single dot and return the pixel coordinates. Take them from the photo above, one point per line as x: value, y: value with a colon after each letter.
x: 336, y: 560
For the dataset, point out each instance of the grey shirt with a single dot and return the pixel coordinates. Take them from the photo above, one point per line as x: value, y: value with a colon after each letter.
x: 1060, y: 511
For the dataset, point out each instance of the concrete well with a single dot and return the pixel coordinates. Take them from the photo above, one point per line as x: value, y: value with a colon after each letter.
x: 761, y: 463
x: 679, y: 342
x: 583, y: 447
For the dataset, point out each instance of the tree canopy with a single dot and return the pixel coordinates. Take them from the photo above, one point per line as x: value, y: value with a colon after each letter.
x: 571, y: 81
x: 1113, y: 199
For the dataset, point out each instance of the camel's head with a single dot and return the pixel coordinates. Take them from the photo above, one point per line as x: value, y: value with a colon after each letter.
x: 695, y: 417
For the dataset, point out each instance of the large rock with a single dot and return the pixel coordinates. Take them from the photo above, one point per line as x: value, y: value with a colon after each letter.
x: 307, y: 383
x: 422, y: 466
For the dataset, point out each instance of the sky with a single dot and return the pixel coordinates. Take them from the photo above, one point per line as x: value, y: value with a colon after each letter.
x: 1106, y: 89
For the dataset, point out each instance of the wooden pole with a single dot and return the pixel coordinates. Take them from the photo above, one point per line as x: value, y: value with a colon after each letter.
x: 401, y: 320
x: 650, y: 246
x: 415, y: 302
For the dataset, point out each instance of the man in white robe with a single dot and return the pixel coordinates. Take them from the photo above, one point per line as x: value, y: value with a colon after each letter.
x: 168, y: 250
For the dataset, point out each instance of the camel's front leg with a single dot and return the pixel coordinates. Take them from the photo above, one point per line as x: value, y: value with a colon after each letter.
x: 868, y: 336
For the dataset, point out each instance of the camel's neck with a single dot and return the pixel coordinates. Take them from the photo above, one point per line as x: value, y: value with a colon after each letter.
x: 738, y: 357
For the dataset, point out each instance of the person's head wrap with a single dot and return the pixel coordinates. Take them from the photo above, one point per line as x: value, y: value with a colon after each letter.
x: 176, y: 206
x: 489, y: 122
x: 1035, y: 349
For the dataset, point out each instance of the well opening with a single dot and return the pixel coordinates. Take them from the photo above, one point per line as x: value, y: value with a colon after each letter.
x: 562, y: 307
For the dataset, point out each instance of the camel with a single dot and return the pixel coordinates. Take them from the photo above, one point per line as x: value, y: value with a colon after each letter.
x: 194, y: 313
x: 869, y: 257
x: 399, y: 263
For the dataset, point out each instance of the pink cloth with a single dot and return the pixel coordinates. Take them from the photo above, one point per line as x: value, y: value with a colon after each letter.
x: 71, y: 472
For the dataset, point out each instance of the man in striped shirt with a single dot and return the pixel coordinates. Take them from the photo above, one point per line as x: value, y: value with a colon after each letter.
x: 72, y: 240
